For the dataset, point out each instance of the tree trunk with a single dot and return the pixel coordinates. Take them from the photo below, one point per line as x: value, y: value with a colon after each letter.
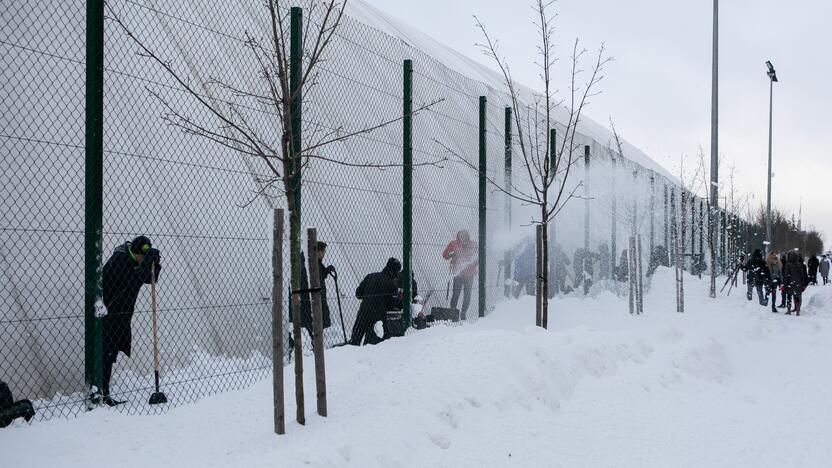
x: 277, y: 324
x: 538, y: 273
x: 317, y: 320
x: 294, y: 256
x: 544, y: 290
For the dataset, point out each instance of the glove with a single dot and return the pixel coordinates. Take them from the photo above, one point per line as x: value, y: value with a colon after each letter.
x: 451, y: 254
x: 100, y: 309
x: 151, y: 257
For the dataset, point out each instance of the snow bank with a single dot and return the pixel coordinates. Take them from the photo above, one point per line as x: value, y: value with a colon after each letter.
x: 726, y: 384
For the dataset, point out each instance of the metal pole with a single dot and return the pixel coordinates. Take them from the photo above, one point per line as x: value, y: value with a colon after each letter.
x: 482, y: 206
x: 407, y: 190
x: 674, y: 232
x: 714, y: 144
x: 613, y: 222
x: 586, y: 197
x: 652, y: 244
x: 683, y: 206
x: 692, y: 226
x: 295, y: 105
x: 551, y: 241
x: 508, y: 184
x: 666, y: 224
x: 768, y: 198
x: 93, y: 193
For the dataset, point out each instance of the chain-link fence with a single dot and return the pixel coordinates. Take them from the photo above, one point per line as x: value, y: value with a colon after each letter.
x: 208, y: 207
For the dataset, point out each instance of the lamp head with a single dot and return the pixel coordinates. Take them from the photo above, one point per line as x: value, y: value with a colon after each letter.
x: 771, y: 73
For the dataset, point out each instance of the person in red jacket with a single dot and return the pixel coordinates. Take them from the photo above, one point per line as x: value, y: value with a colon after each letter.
x: 462, y: 252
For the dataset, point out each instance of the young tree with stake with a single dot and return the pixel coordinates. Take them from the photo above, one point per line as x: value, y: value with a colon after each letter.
x: 547, y: 160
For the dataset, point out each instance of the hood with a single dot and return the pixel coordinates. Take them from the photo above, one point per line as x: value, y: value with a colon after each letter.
x: 463, y: 236
x: 122, y: 248
x: 792, y: 256
x: 757, y: 255
x: 393, y: 267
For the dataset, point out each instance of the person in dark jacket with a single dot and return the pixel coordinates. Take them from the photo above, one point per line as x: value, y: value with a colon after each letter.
x: 378, y: 292
x: 524, y: 270
x: 604, y: 261
x: 758, y: 276
x: 393, y: 323
x: 561, y: 262
x: 622, y: 272
x: 584, y: 268
x: 132, y: 265
x: 775, y: 270
x: 742, y: 268
x: 784, y: 295
x: 813, y: 263
x: 306, y: 298
x: 795, y: 280
x: 823, y: 268
x: 658, y: 257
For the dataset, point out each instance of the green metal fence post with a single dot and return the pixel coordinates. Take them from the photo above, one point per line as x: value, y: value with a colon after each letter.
x: 482, y: 205
x: 93, y: 192
x: 723, y: 237
x: 295, y: 108
x: 407, y: 188
x: 586, y: 195
x: 508, y: 183
x: 553, y: 232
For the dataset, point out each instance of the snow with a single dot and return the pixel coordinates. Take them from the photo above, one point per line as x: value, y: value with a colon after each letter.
x: 727, y: 383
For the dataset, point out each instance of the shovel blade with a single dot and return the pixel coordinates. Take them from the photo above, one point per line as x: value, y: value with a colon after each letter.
x: 158, y: 398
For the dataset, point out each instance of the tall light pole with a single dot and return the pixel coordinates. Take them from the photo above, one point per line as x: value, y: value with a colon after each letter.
x: 712, y: 218
x: 772, y: 75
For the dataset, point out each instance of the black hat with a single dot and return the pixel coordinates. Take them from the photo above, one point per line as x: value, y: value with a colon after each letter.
x: 140, y: 245
x: 321, y: 245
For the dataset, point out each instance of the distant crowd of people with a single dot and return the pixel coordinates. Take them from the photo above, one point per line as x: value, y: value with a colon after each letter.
x: 786, y: 272
x: 585, y: 263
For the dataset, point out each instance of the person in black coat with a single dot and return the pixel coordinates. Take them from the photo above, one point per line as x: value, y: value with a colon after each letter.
x: 813, y: 263
x: 795, y: 280
x: 758, y: 276
x: 658, y: 257
x: 378, y: 292
x: 393, y: 323
x: 306, y: 298
x: 124, y: 274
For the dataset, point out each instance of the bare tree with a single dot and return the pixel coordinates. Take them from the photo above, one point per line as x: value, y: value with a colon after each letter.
x: 547, y: 164
x: 232, y: 120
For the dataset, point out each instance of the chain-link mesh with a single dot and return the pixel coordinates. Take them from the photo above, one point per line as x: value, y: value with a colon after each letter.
x: 207, y: 207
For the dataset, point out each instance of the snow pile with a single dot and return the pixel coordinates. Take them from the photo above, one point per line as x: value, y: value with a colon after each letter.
x: 726, y: 384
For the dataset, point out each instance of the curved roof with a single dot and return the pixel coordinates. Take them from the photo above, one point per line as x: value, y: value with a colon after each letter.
x: 365, y: 13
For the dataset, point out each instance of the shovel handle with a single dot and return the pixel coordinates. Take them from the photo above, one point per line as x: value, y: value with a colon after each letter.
x: 153, y: 320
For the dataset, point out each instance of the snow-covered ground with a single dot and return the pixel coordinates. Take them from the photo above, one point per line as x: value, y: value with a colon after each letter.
x: 728, y: 383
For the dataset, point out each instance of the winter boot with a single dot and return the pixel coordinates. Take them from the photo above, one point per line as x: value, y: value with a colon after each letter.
x: 797, y: 304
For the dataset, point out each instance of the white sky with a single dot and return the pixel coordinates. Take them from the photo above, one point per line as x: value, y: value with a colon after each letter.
x: 658, y: 88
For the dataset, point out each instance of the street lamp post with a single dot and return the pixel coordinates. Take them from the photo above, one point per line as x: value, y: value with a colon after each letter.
x: 714, y: 191
x: 772, y: 79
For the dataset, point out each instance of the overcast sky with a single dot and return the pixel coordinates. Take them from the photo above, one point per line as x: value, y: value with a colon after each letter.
x: 658, y: 88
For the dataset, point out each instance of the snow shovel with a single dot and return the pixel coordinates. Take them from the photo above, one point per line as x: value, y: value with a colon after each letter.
x: 157, y: 397
x: 340, y: 312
